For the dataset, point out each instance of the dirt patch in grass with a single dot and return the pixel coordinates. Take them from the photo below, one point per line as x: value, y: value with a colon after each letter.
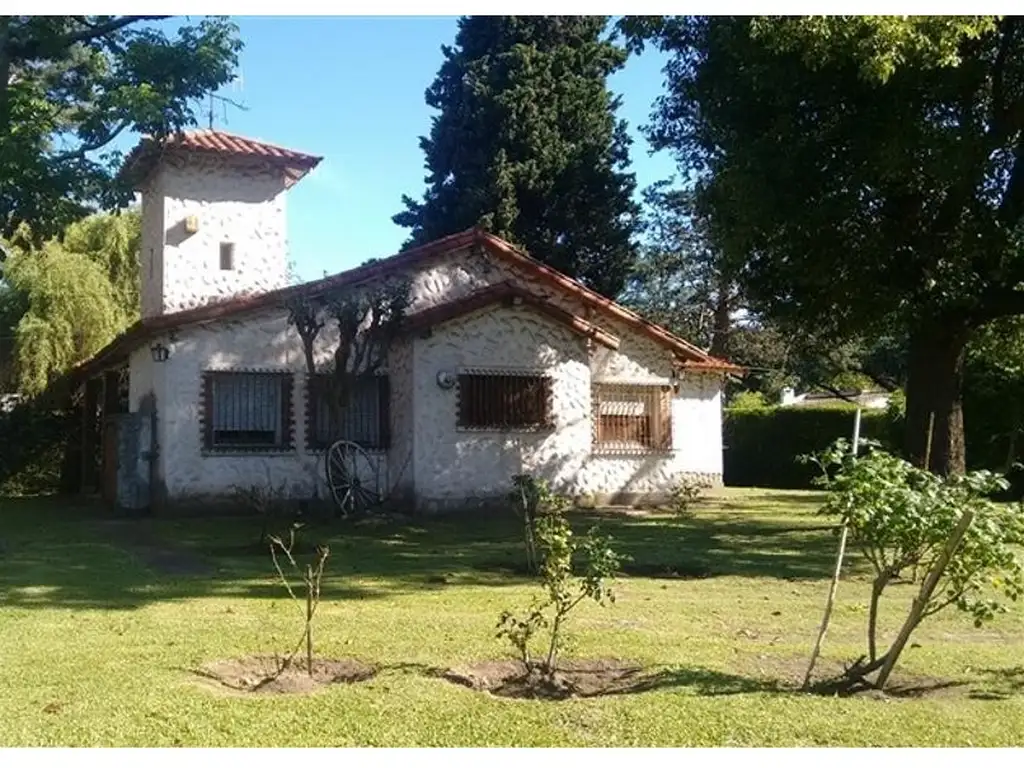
x: 829, y: 680
x: 259, y: 675
x: 595, y: 677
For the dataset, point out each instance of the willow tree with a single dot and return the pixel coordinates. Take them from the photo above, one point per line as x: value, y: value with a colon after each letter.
x: 868, y: 176
x: 75, y: 294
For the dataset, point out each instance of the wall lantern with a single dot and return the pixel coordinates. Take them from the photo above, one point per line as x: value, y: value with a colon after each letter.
x: 160, y: 353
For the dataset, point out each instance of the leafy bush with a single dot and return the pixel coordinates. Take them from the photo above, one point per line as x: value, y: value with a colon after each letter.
x: 908, y: 523
x: 556, y: 546
x: 748, y: 401
x: 533, y: 497
x: 761, y: 446
x: 685, y: 493
x: 34, y: 437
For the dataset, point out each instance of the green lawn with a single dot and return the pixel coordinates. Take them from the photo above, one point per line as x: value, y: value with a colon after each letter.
x: 98, y: 638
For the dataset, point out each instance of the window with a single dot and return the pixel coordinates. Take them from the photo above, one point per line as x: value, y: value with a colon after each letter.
x: 227, y: 255
x: 363, y: 420
x: 630, y: 417
x: 504, y: 401
x: 247, y: 411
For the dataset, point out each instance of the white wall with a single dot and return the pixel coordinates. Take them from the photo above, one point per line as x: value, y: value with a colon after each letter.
x: 259, y: 341
x: 429, y: 456
x: 241, y: 204
x: 454, y: 466
x: 151, y: 263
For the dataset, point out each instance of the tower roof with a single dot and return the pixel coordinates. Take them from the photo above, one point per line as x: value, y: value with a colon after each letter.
x: 148, y: 152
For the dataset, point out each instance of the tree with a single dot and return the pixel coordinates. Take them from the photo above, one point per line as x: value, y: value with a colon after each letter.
x: 994, y: 394
x: 907, y: 521
x: 70, y: 85
x: 868, y: 173
x: 681, y: 280
x: 74, y: 295
x: 526, y: 145
x: 685, y: 281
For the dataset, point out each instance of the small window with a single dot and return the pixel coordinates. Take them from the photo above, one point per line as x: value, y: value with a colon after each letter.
x: 227, y: 255
x: 504, y: 401
x: 363, y: 420
x: 632, y: 418
x: 247, y: 411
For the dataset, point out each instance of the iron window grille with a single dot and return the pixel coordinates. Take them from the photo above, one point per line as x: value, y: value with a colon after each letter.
x: 632, y: 418
x: 247, y: 411
x: 363, y: 420
x: 503, y: 401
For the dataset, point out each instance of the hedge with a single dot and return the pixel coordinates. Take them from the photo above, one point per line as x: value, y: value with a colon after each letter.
x: 762, y: 445
x: 34, y: 439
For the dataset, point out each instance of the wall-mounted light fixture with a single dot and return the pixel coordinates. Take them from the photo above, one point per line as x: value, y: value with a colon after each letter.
x: 160, y: 353
x: 191, y: 225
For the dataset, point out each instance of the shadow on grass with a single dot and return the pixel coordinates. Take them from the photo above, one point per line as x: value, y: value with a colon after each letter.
x: 703, y: 682
x: 66, y: 553
x: 1002, y: 684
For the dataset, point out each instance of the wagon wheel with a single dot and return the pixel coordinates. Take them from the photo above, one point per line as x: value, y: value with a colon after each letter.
x: 353, y: 477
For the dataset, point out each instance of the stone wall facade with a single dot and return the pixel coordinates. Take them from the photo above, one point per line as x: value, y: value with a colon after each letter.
x: 238, y: 203
x: 431, y: 461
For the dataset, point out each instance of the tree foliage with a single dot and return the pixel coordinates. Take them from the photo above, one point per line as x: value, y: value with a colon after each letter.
x: 70, y: 85
x: 903, y: 518
x: 75, y: 295
x: 867, y: 175
x: 526, y: 144
x: 681, y: 280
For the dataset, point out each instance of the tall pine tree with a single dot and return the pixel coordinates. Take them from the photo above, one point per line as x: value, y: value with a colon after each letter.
x: 527, y: 145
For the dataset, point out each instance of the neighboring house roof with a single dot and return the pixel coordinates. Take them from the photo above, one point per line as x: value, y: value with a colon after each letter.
x: 691, y: 357
x: 144, y: 157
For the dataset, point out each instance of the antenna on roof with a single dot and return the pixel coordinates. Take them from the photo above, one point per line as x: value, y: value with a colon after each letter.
x: 237, y: 84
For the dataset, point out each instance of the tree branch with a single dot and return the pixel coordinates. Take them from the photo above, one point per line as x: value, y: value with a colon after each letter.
x: 92, y: 146
x: 31, y: 49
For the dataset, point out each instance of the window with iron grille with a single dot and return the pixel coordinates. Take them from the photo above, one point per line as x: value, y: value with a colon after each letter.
x: 632, y: 418
x: 247, y: 411
x: 504, y: 401
x: 363, y: 420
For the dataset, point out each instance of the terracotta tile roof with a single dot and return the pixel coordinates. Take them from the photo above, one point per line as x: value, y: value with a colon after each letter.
x: 145, y: 154
x: 689, y: 356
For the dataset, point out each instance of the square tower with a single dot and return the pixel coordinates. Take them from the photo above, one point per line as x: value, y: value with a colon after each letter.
x: 213, y: 217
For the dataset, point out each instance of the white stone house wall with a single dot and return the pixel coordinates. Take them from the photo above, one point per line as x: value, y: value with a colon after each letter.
x: 237, y: 203
x: 430, y: 458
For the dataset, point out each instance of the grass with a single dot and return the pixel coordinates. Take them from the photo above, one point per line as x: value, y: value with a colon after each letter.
x: 98, y: 638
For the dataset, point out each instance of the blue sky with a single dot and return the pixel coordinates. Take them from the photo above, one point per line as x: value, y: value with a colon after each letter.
x: 351, y: 89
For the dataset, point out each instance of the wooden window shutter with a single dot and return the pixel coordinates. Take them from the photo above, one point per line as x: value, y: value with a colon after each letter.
x: 664, y: 417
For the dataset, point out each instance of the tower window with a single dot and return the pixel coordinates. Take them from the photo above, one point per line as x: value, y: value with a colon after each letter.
x: 227, y: 255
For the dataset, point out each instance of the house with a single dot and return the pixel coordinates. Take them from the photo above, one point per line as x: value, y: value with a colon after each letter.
x: 503, y: 364
x: 870, y: 399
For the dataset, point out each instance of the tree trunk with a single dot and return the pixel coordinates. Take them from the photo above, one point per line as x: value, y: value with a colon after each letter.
x: 722, y: 321
x: 876, y: 593
x: 934, y: 386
